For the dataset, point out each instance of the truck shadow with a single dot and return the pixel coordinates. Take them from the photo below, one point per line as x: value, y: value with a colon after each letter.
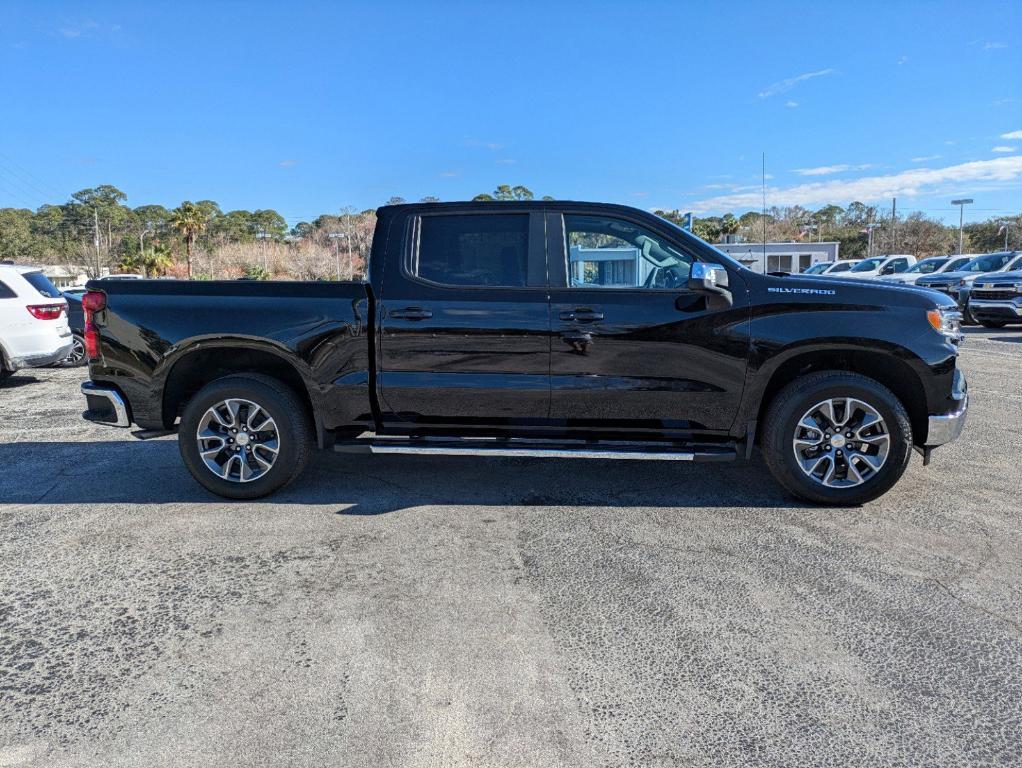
x: 18, y: 380
x: 151, y: 472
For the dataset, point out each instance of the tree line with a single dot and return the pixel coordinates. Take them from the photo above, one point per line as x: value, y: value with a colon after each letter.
x: 95, y: 231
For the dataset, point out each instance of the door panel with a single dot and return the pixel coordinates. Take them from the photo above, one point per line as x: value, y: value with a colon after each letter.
x: 632, y: 357
x: 461, y: 353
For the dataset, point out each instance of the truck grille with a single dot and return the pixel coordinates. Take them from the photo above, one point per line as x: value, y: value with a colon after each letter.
x: 995, y: 294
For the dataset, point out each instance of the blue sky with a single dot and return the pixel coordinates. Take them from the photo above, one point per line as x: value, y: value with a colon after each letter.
x: 308, y: 107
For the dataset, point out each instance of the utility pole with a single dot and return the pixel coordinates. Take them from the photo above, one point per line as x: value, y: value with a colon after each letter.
x: 95, y: 236
x: 961, y: 217
x: 894, y: 223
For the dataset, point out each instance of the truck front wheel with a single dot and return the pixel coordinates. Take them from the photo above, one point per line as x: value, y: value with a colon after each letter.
x: 245, y: 436
x: 836, y: 437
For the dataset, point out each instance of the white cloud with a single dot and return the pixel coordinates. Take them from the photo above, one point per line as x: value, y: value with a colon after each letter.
x: 491, y: 145
x: 994, y: 46
x: 791, y: 104
x: 908, y: 183
x: 791, y: 82
x: 287, y: 163
x: 73, y: 29
x: 1012, y: 135
x: 925, y: 158
x: 506, y: 161
x: 827, y: 170
x: 450, y: 174
x: 1002, y: 148
x: 902, y: 60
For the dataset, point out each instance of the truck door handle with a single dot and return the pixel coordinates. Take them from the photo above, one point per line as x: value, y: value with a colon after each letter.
x: 582, y: 315
x: 411, y: 313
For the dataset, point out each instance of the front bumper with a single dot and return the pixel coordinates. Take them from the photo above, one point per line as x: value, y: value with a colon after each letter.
x: 946, y: 427
x: 105, y: 405
x: 996, y: 309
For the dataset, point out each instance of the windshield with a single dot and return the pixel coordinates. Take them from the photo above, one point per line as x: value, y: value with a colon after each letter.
x: 816, y: 269
x: 926, y: 266
x: 988, y: 263
x: 868, y: 265
x: 955, y: 264
x: 685, y: 233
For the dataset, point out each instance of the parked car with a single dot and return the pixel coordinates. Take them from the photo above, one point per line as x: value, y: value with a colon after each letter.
x: 958, y: 284
x: 499, y: 329
x: 76, y: 320
x: 996, y: 299
x: 931, y: 266
x: 831, y: 267
x: 881, y: 266
x: 33, y: 320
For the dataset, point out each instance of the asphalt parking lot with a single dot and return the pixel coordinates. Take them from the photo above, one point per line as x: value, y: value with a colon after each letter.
x: 413, y: 611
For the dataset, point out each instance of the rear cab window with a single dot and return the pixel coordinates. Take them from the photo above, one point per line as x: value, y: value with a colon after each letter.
x: 480, y: 250
x: 42, y: 284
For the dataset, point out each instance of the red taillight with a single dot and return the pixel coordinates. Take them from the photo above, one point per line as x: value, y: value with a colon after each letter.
x: 46, y: 311
x: 92, y: 302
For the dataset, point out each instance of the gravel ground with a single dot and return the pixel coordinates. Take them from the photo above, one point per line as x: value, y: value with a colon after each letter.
x: 415, y: 611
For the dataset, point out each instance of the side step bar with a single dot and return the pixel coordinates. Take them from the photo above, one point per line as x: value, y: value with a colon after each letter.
x: 519, y: 447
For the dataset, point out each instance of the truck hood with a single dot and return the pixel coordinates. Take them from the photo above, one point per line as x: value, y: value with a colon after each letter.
x: 952, y: 277
x: 999, y: 277
x: 850, y: 290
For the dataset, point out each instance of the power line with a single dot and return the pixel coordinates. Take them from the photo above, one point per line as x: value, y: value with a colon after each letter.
x: 43, y: 188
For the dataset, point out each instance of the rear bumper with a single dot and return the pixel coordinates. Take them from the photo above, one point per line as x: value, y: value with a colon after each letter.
x: 945, y: 427
x: 40, y: 360
x: 105, y: 405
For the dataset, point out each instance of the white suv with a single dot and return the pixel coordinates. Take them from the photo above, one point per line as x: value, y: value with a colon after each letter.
x: 33, y: 320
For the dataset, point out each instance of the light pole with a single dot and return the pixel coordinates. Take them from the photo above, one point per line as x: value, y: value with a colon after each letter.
x: 961, y: 217
x: 1005, y: 225
x: 869, y: 241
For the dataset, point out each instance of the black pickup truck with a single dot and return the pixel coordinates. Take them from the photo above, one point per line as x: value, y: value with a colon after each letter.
x: 533, y: 329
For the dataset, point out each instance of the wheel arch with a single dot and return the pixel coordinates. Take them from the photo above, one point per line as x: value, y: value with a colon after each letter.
x: 885, y: 367
x: 198, y: 366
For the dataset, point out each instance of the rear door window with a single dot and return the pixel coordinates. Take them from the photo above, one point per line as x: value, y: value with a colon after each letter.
x: 42, y: 284
x: 473, y: 250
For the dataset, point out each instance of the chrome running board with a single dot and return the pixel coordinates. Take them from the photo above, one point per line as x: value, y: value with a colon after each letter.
x: 546, y: 449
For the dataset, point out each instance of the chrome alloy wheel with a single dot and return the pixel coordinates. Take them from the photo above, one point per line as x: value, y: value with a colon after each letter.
x: 238, y: 441
x: 77, y: 353
x: 841, y: 442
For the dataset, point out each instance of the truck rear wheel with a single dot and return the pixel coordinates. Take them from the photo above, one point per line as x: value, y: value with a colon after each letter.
x: 835, y: 437
x: 245, y: 436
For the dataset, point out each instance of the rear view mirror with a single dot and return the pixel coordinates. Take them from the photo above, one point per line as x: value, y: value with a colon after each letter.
x: 708, y: 278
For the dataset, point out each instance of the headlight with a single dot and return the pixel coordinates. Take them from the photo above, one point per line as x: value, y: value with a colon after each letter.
x: 947, y: 322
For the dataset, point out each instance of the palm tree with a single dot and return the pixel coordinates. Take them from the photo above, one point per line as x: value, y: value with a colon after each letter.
x: 190, y: 221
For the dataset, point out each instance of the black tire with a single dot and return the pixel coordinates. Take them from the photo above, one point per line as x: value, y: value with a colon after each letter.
x: 5, y: 373
x: 294, y: 429
x: 968, y: 318
x: 992, y: 323
x: 789, y: 405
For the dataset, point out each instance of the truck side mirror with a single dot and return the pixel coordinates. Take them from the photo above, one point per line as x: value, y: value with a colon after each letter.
x: 707, y: 278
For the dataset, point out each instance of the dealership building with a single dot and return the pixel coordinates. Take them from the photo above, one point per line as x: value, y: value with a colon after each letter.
x: 779, y: 257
